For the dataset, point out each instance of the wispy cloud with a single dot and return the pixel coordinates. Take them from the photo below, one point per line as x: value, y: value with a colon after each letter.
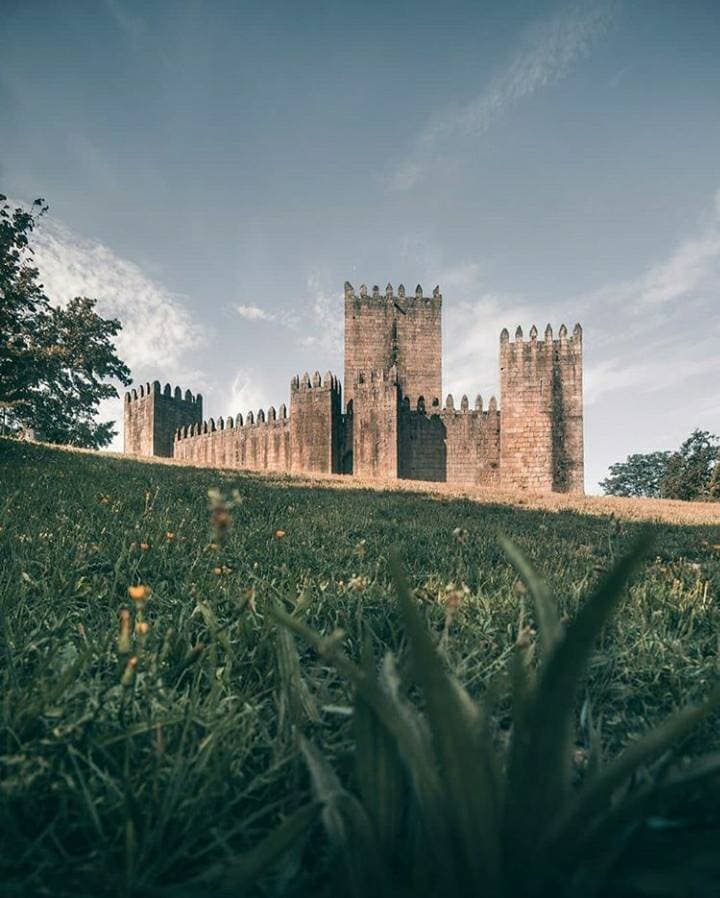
x: 323, y: 325
x: 159, y: 334
x: 546, y: 53
x: 245, y: 394
x: 254, y: 313
x: 689, y: 274
x: 473, y: 319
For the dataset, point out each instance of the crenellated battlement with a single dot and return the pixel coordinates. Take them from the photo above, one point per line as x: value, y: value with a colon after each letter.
x: 542, y: 426
x: 563, y: 343
x: 260, y: 418
x: 316, y: 382
x: 396, y: 423
x: 477, y: 410
x: 377, y: 298
x: 167, y: 393
x: 380, y: 376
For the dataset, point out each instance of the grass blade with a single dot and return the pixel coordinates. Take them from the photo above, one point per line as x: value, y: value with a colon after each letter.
x: 348, y: 827
x: 464, y: 755
x: 261, y: 858
x: 597, y: 793
x: 540, y: 756
x: 549, y: 626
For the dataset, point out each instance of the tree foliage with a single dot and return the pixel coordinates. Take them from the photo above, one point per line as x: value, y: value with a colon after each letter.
x: 638, y: 475
x: 56, y: 363
x: 691, y: 472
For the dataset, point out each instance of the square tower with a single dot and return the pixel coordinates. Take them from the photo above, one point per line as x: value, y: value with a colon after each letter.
x: 541, y: 423
x: 152, y: 417
x: 386, y: 330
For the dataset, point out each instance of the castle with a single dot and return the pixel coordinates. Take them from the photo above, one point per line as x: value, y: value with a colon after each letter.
x: 391, y: 424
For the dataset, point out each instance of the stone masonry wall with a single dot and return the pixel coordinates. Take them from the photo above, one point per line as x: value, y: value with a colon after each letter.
x: 375, y: 425
x: 394, y: 425
x: 419, y: 345
x: 453, y: 445
x: 541, y: 388
x: 259, y: 443
x: 422, y: 448
x: 315, y: 424
x: 152, y: 417
x: 473, y: 442
x: 386, y: 330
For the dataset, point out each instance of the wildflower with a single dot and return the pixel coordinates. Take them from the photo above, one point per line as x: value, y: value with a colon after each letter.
x: 169, y: 536
x: 124, y: 634
x: 460, y: 535
x: 525, y: 637
x: 139, y: 593
x: 221, y: 519
x: 220, y: 571
x: 279, y: 534
x: 142, y: 628
x: 453, y: 596
x: 129, y: 672
x: 144, y: 547
x: 358, y: 583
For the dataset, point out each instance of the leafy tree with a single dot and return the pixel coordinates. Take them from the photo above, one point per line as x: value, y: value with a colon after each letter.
x: 55, y: 362
x: 638, y: 475
x: 691, y: 472
x: 23, y: 307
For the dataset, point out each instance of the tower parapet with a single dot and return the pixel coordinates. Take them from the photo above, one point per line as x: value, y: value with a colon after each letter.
x: 402, y: 329
x: 315, y: 423
x: 395, y: 424
x: 376, y: 407
x: 152, y: 416
x: 541, y: 439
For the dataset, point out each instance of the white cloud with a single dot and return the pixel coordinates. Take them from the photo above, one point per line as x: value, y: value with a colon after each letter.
x: 660, y: 369
x: 690, y: 270
x: 246, y: 394
x: 325, y: 321
x: 685, y: 271
x: 546, y: 54
x: 472, y: 323
x: 159, y: 334
x: 254, y: 313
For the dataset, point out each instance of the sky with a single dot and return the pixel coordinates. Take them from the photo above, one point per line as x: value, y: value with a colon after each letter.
x: 216, y: 170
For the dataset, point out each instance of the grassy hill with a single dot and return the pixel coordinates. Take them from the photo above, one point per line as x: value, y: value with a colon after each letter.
x: 133, y: 759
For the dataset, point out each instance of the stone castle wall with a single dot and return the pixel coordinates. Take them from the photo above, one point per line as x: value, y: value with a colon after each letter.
x: 389, y: 330
x: 453, y: 445
x: 541, y: 439
x: 393, y: 425
x: 375, y: 409
x: 257, y: 443
x: 309, y: 440
x: 151, y: 418
x: 315, y: 413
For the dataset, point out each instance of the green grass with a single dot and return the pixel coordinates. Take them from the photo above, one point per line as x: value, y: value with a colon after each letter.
x: 122, y: 782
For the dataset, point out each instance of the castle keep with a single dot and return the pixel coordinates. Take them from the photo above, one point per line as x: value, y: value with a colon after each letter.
x: 391, y: 423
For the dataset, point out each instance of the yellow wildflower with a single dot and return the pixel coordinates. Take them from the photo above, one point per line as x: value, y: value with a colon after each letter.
x: 139, y: 593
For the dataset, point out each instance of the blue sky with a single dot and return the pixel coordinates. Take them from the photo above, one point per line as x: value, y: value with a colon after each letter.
x: 216, y: 171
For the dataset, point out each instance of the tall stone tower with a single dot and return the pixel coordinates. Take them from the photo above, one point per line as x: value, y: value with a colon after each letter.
x: 386, y: 330
x: 151, y: 418
x: 541, y: 432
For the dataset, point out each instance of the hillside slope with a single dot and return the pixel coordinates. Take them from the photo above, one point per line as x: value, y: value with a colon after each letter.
x: 153, y: 738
